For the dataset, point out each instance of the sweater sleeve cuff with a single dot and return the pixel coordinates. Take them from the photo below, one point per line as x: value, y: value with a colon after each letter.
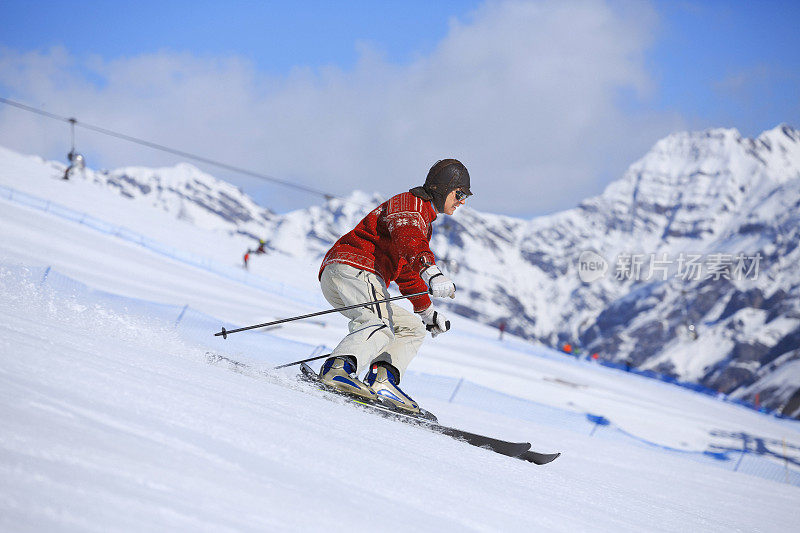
x: 420, y: 302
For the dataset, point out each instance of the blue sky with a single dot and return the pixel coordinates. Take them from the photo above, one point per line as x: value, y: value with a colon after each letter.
x: 729, y: 63
x: 549, y: 100
x: 276, y: 36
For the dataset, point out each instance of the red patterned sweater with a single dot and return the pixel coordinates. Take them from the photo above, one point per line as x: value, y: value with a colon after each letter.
x: 392, y: 241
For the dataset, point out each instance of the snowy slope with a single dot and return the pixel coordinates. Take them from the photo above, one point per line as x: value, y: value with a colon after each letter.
x: 113, y: 419
x: 707, y: 195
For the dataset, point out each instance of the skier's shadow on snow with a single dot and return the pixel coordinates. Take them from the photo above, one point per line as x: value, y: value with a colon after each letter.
x: 756, y: 445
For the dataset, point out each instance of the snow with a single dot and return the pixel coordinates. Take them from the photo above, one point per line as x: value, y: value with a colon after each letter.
x: 113, y: 418
x: 699, y: 193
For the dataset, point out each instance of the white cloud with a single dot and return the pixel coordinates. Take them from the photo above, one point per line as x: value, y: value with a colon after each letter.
x: 529, y: 95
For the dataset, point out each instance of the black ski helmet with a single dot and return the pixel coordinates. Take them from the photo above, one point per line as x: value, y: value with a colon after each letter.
x: 445, y: 176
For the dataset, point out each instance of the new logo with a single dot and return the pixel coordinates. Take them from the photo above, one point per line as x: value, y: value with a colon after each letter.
x: 591, y: 266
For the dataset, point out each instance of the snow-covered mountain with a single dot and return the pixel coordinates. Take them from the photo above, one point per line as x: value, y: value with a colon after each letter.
x: 191, y: 195
x: 701, y: 232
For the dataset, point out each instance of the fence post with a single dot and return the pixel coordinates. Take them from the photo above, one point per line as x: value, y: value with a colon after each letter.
x: 785, y: 462
x: 180, y: 316
x: 739, y: 462
x: 44, y: 278
x: 455, y: 391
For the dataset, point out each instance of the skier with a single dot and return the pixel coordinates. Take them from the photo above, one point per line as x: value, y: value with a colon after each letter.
x: 390, y: 244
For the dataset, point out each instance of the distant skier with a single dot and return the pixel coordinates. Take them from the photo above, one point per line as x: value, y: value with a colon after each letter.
x: 390, y: 244
x: 246, y: 259
x: 502, y: 328
x: 260, y: 249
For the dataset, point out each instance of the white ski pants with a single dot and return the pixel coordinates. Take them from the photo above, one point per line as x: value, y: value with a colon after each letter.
x: 382, y: 332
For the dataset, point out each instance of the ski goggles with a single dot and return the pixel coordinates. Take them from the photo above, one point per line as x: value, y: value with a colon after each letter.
x: 461, y: 196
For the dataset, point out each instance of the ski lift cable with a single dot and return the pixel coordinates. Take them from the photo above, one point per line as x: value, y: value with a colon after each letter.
x: 74, y: 122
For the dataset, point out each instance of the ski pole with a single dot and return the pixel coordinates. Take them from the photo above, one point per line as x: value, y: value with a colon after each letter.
x: 225, y: 332
x: 302, y: 361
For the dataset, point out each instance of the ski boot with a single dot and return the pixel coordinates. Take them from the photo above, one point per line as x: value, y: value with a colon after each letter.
x: 383, y: 379
x: 339, y: 373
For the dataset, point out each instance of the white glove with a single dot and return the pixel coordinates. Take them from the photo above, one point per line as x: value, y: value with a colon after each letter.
x: 439, y: 285
x: 434, y: 321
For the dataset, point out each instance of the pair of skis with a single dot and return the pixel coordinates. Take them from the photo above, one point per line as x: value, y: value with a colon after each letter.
x: 518, y: 450
x: 426, y: 420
